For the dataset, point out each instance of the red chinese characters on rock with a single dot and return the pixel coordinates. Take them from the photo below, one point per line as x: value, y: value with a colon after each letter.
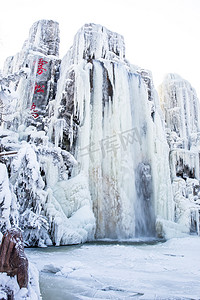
x: 39, y: 88
x: 41, y: 69
x: 33, y: 111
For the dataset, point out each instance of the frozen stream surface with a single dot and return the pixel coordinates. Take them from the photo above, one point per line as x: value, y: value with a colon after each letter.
x: 169, y: 270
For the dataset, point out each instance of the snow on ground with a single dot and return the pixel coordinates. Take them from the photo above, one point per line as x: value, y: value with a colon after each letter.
x: 32, y: 292
x: 169, y: 270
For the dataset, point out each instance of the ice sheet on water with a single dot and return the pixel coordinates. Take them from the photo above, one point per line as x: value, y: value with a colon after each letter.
x: 164, y: 271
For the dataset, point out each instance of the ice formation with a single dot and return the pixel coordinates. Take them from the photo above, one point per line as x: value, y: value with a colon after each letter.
x: 182, y: 116
x: 112, y: 124
x: 98, y: 155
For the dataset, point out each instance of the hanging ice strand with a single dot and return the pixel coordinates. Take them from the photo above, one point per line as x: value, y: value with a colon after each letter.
x: 113, y: 131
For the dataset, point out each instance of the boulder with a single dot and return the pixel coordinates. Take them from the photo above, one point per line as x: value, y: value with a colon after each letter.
x: 13, y: 260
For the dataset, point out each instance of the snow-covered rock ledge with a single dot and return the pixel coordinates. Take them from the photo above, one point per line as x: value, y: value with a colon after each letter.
x: 9, y: 286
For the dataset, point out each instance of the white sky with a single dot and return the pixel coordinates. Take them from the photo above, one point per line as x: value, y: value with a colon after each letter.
x: 160, y: 35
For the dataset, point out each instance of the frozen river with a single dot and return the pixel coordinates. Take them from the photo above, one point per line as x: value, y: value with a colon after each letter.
x: 169, y: 270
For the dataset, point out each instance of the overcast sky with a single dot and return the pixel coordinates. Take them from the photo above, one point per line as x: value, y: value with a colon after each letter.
x: 160, y: 35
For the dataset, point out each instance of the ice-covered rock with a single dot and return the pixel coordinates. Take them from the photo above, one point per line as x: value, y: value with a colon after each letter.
x: 182, y: 117
x: 31, y: 75
x: 44, y: 37
x: 43, y: 40
x: 182, y: 112
x: 94, y: 41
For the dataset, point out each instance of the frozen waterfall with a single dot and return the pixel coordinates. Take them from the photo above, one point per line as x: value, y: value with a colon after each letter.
x: 111, y: 106
x: 98, y: 153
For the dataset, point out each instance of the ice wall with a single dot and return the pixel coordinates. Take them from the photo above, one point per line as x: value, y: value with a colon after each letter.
x: 182, y: 116
x: 105, y: 114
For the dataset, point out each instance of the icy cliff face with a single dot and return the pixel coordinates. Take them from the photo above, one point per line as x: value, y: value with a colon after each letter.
x: 105, y: 115
x: 32, y: 74
x: 181, y: 108
x: 182, y: 116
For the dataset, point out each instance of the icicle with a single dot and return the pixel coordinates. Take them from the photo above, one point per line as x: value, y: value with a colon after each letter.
x: 59, y: 126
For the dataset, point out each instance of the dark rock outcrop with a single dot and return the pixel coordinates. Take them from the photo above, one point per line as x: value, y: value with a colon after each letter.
x: 13, y: 260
